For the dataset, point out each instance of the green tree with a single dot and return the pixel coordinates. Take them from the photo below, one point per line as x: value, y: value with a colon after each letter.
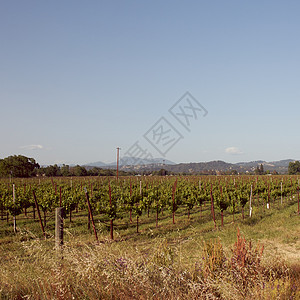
x: 50, y: 171
x: 162, y: 172
x: 18, y: 166
x: 65, y: 170
x: 260, y: 170
x: 79, y: 171
x: 294, y: 168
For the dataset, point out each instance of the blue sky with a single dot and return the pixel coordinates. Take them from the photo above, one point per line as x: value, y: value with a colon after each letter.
x: 79, y: 79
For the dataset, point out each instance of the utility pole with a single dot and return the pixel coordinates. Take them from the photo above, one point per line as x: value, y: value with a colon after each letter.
x: 118, y: 152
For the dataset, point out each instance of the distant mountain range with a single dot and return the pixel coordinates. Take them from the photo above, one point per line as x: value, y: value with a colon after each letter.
x: 221, y: 166
x: 131, y: 161
x: 140, y: 165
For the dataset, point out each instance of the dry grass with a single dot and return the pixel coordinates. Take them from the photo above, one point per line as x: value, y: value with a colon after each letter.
x: 125, y: 271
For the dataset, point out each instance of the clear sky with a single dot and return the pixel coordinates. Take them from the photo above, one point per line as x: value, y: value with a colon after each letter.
x: 80, y: 78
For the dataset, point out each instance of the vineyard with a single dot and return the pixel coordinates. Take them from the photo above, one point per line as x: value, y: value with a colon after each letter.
x: 108, y: 212
x: 132, y: 200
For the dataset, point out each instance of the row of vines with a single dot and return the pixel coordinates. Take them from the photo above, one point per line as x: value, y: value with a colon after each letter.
x: 134, y: 197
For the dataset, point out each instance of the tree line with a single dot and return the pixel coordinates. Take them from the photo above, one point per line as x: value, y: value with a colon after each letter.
x: 66, y: 170
x: 22, y: 166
